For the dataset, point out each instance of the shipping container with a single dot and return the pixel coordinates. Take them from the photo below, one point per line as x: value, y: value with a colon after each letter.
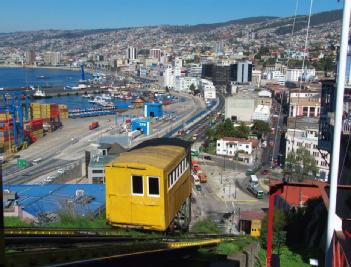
x: 93, y: 125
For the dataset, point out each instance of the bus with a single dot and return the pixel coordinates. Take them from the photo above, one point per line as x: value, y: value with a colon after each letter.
x: 253, y: 179
x: 37, y: 161
x: 194, y: 153
x: 255, y: 190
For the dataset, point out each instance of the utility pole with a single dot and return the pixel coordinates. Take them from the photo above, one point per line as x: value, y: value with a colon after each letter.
x: 2, y: 237
x: 334, y: 223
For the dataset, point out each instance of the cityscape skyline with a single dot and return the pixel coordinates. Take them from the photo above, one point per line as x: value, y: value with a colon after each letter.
x: 41, y: 15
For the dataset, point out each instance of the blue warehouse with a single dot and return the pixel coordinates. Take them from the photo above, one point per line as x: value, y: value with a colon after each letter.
x: 153, y: 110
x: 142, y: 125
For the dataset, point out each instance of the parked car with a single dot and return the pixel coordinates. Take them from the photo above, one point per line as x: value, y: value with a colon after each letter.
x: 208, y: 157
x: 60, y: 171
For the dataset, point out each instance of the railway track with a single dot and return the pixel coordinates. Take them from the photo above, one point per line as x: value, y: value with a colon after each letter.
x: 67, y: 247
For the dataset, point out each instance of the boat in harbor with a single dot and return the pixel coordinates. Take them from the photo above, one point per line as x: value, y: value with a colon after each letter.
x: 42, y: 77
x: 89, y: 96
x: 40, y: 94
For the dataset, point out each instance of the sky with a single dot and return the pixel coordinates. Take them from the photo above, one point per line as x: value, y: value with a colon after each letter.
x: 25, y: 15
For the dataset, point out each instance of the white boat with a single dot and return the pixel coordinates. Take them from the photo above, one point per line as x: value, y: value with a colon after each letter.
x: 38, y: 94
x: 106, y: 97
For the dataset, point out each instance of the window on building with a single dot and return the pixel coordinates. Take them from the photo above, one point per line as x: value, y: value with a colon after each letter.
x: 137, y: 185
x: 230, y: 146
x: 316, y: 154
x: 218, y: 144
x: 98, y: 171
x: 154, y: 186
x: 247, y: 146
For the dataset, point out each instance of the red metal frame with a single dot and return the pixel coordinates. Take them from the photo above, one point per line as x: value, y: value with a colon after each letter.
x: 276, y: 187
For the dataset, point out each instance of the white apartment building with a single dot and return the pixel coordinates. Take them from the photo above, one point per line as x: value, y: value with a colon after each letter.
x: 308, y: 138
x: 293, y: 75
x: 168, y: 77
x: 230, y: 146
x: 277, y: 76
x: 208, y: 89
x: 52, y: 58
x: 182, y: 84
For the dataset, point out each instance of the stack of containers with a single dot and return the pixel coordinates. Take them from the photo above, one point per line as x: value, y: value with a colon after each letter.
x: 6, y: 133
x: 54, y: 112
x: 35, y: 110
x: 35, y: 129
x: 63, y: 112
x: 45, y: 111
x: 7, y: 136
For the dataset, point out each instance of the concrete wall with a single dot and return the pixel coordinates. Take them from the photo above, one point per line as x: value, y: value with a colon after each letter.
x: 247, y: 257
x: 242, y: 108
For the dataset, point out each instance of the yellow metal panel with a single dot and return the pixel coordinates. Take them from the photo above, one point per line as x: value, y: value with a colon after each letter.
x: 255, y: 228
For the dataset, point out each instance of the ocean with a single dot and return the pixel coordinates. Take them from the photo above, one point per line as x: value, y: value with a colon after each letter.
x: 23, y: 77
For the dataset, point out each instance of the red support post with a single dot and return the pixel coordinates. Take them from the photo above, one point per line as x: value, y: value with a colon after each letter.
x: 270, y: 225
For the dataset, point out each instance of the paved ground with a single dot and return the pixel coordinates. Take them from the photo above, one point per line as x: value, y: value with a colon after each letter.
x: 58, y: 149
x: 224, y: 193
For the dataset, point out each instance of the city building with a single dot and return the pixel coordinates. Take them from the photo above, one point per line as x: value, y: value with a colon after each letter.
x: 304, y: 103
x: 244, y: 71
x: 42, y: 204
x: 168, y: 77
x: 240, y: 148
x: 303, y: 133
x: 261, y: 113
x: 155, y: 54
x: 277, y: 76
x: 208, y: 90
x: 52, y: 58
x: 294, y: 75
x: 222, y: 74
x: 240, y: 106
x: 182, y: 84
x: 131, y: 53
x: 153, y: 110
x: 104, y: 154
x: 256, y: 78
x: 195, y: 70
x: 30, y: 57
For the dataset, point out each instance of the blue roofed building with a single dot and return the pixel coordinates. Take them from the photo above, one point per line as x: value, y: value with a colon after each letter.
x: 42, y: 203
x: 153, y: 110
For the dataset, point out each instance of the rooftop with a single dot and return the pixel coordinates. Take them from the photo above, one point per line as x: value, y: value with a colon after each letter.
x: 157, y: 156
x: 53, y: 198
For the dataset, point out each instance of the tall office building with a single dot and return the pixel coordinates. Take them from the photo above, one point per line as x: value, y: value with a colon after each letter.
x: 131, y: 53
x: 52, y: 58
x: 30, y: 57
x: 240, y: 72
x: 155, y: 54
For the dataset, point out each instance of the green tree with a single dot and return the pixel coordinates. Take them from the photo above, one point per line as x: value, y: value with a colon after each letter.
x: 192, y: 88
x: 260, y: 128
x: 242, y: 131
x: 225, y: 129
x: 279, y: 233
x: 300, y: 165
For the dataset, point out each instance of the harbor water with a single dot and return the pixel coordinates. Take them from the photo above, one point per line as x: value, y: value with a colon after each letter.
x: 17, y: 77
x: 77, y: 102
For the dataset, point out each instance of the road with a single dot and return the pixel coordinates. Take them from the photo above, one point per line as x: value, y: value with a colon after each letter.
x: 57, y: 149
